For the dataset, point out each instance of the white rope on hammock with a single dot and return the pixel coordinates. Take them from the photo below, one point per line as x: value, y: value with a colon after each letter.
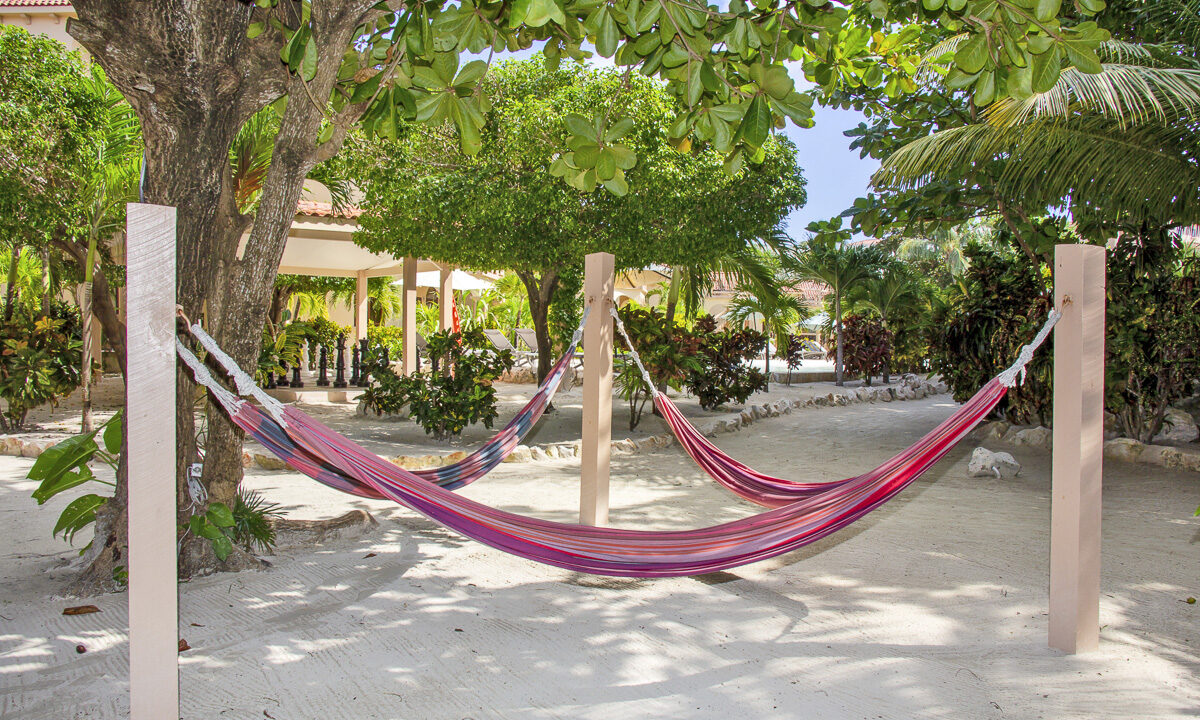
x: 1008, y: 378
x: 633, y: 353
x: 243, y: 382
x: 226, y: 399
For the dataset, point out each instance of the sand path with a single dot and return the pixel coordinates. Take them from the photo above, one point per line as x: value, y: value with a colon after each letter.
x: 932, y: 607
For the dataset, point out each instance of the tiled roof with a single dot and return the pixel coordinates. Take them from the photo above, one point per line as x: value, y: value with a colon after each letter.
x: 35, y: 3
x: 322, y: 209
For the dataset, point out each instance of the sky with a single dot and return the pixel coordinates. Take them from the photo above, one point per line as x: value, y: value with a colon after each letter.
x: 835, y: 173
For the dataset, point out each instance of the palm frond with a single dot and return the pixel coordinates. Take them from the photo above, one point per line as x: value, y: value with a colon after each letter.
x: 1129, y: 94
x: 1178, y: 20
x: 1145, y: 171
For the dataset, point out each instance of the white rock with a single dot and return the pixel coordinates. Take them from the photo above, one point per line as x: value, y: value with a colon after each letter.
x: 1178, y: 428
x: 985, y: 463
x: 1038, y: 437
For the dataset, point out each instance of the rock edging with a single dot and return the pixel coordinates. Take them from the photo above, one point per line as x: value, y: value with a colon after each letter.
x: 1121, y: 448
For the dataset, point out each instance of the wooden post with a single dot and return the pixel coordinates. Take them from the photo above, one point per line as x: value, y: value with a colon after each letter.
x: 599, y: 281
x: 153, y: 598
x: 409, y: 317
x: 446, y: 300
x: 1079, y: 281
x: 360, y: 305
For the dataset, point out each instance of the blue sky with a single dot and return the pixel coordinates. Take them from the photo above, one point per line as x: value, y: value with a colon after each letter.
x: 835, y: 173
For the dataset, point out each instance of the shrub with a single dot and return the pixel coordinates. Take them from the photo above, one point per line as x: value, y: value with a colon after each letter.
x: 455, y: 393
x: 1153, y: 331
x: 39, y: 363
x: 282, y: 348
x: 867, y: 346
x: 1005, y: 301
x: 793, y: 351
x: 68, y: 465
x: 669, y: 352
x: 386, y: 336
x: 723, y: 374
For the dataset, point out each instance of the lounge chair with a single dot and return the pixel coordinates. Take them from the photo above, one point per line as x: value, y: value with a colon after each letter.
x: 523, y: 358
x: 813, y: 351
x: 529, y: 338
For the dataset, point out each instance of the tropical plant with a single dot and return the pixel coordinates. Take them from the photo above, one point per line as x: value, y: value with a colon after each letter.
x: 282, y: 348
x: 793, y: 353
x: 776, y: 312
x: 868, y: 347
x: 386, y: 336
x: 829, y: 258
x: 38, y: 365
x: 668, y: 352
x: 455, y: 393
x: 67, y: 465
x: 724, y: 375
x: 252, y: 528
x: 894, y: 296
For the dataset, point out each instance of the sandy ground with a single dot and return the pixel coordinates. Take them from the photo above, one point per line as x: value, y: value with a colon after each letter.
x: 932, y: 607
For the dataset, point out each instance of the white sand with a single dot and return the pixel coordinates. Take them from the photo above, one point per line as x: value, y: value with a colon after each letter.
x: 932, y: 607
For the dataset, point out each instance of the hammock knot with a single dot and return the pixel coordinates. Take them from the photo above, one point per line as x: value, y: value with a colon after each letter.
x: 1015, y: 374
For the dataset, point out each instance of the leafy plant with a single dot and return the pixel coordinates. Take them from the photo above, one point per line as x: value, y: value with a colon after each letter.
x: 669, y: 352
x: 455, y: 393
x: 386, y: 336
x: 252, y: 515
x: 867, y: 347
x: 68, y: 465
x: 723, y: 375
x: 282, y: 348
x: 793, y: 353
x: 38, y: 365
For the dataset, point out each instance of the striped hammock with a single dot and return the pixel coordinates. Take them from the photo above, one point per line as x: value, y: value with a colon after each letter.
x: 758, y: 487
x: 452, y: 476
x: 311, y: 448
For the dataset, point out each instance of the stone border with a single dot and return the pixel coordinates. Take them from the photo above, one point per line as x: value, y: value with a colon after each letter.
x: 1123, y: 449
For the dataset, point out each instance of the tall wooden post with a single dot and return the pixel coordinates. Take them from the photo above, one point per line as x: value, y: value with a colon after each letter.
x: 360, y: 305
x: 1079, y: 282
x: 598, y: 284
x: 408, y: 314
x: 446, y: 300
x: 150, y: 375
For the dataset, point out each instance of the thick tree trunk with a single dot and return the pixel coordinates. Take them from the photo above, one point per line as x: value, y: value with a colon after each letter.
x: 194, y: 77
x: 540, y: 291
x: 85, y: 370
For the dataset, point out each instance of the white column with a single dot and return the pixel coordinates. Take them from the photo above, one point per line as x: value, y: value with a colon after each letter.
x: 599, y: 281
x: 446, y: 300
x: 150, y: 424
x: 1079, y: 282
x: 360, y: 306
x: 409, y: 316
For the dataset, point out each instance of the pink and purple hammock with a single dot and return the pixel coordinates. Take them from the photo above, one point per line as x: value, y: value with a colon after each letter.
x: 801, y: 513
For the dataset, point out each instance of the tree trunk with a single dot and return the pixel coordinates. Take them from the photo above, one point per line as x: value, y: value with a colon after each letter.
x: 887, y: 363
x: 194, y: 77
x: 10, y: 293
x: 673, y: 293
x: 85, y: 369
x: 837, y: 319
x: 540, y: 291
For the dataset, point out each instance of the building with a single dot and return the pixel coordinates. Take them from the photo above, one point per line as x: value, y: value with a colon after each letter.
x: 40, y: 17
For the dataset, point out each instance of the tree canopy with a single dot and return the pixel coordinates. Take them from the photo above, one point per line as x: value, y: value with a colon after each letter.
x: 501, y: 210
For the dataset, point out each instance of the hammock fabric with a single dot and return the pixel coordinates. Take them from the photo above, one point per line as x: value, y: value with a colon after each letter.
x: 311, y: 448
x: 759, y: 487
x: 453, y: 476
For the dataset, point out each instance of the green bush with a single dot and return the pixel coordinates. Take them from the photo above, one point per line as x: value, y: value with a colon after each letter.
x: 386, y: 336
x: 455, y: 393
x: 867, y: 349
x: 723, y: 375
x: 39, y: 363
x: 669, y: 352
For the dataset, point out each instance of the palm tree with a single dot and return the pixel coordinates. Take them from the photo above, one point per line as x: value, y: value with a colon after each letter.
x: 752, y: 268
x: 777, y: 311
x: 889, y: 295
x: 113, y: 183
x: 1119, y: 145
x: 827, y: 258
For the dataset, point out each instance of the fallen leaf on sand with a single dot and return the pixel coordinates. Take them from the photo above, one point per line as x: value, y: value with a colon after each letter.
x: 183, y: 645
x: 81, y: 610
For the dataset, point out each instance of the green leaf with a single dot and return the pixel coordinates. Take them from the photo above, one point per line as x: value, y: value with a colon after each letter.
x: 308, y: 65
x: 78, y: 515
x: 64, y: 456
x: 972, y: 55
x: 624, y: 157
x: 255, y: 30
x: 617, y: 184
x: 114, y: 434
x: 606, y: 166
x: 220, y: 515
x: 756, y: 125
x: 579, y: 125
x: 1046, y: 71
x: 366, y: 90
x: 619, y: 129
x: 776, y: 82
x: 608, y: 36
x: 471, y: 73
x: 222, y: 546
x: 53, y: 486
x: 1046, y: 10
x: 878, y: 8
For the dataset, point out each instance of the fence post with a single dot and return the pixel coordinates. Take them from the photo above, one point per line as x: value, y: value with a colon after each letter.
x: 1079, y: 291
x: 599, y: 281
x: 153, y: 591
